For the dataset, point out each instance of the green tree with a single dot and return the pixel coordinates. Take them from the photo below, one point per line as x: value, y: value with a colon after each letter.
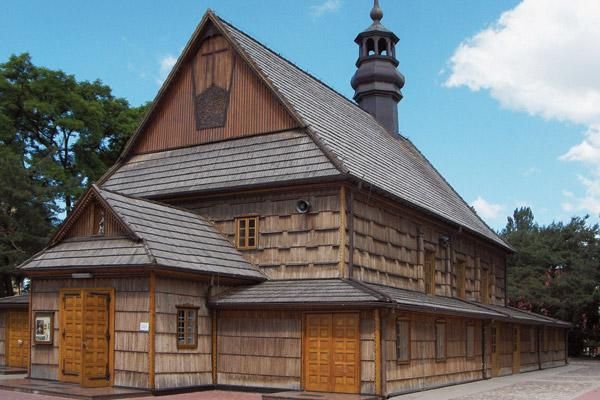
x: 556, y: 271
x: 57, y: 135
x: 71, y: 131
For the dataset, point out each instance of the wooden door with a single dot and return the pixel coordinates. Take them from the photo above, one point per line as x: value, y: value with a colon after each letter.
x: 71, y: 335
x: 85, y: 345
x: 96, y: 339
x: 516, y: 367
x: 495, y: 342
x: 18, y: 339
x: 331, y: 353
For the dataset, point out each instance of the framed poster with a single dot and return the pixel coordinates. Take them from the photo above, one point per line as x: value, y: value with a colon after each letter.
x: 43, y: 325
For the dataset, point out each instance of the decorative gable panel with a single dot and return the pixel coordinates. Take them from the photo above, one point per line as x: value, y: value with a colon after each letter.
x: 95, y: 221
x: 214, y: 96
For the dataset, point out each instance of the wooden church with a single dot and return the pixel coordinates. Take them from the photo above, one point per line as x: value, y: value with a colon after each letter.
x: 260, y: 230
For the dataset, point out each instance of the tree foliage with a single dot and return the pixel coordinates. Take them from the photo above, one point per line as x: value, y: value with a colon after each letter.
x: 556, y: 271
x: 57, y: 135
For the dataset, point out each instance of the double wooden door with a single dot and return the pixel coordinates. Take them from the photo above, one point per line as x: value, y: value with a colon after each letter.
x: 86, y: 336
x: 332, y: 352
x: 18, y: 339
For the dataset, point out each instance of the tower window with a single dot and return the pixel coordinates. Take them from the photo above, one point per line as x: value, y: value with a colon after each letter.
x: 370, y: 47
x: 382, y: 47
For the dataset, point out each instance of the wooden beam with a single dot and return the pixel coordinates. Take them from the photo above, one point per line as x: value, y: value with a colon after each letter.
x: 152, y: 330
x: 30, y: 311
x: 214, y: 352
x: 343, y: 273
x: 378, y: 358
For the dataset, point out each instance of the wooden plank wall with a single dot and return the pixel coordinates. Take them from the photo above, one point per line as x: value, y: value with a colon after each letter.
x: 529, y: 357
x: 424, y: 371
x: 252, y: 110
x: 3, y: 333
x: 505, y: 348
x: 555, y: 354
x: 179, y: 368
x: 259, y: 348
x: 389, y: 246
x: 367, y: 352
x: 291, y: 245
x: 131, y: 308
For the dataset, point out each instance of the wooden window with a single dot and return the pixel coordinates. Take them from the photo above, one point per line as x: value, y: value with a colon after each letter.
x: 429, y: 272
x: 544, y: 339
x: 485, y: 286
x: 460, y: 279
x: 516, y: 339
x: 470, y: 338
x: 246, y: 234
x: 532, y: 339
x: 494, y: 339
x: 403, y: 340
x: 440, y: 340
x: 187, y: 327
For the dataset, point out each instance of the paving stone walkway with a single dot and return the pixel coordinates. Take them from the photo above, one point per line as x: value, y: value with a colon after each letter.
x: 580, y: 380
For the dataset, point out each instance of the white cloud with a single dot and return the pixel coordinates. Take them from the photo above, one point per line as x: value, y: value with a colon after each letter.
x: 531, y: 171
x: 327, y: 6
x: 486, y: 209
x: 166, y: 64
x: 542, y: 57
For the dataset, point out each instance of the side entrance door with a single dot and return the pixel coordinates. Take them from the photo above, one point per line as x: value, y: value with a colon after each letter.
x: 87, y: 329
x: 495, y: 343
x: 331, y: 352
x: 18, y: 339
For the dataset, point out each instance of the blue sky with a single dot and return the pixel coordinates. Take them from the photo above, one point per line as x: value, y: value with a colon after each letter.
x: 507, y: 119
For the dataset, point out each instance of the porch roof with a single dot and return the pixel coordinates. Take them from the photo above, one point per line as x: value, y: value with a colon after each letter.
x: 17, y: 301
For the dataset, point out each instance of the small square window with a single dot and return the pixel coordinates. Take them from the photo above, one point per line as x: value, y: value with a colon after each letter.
x: 187, y: 328
x: 246, y: 233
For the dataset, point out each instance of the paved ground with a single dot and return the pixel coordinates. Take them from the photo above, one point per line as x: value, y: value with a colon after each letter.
x: 578, y: 381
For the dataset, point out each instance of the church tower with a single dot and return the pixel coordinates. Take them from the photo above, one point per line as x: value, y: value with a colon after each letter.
x: 377, y: 83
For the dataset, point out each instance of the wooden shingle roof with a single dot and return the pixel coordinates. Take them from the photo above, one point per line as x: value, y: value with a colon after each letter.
x: 340, y: 138
x: 164, y: 236
x: 17, y: 301
x: 362, y: 147
x: 279, y: 157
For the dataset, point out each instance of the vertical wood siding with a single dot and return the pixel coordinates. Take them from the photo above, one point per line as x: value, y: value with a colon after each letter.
x: 290, y: 244
x: 131, y: 345
x: 555, y: 354
x: 259, y: 348
x: 424, y: 371
x: 86, y: 225
x: 178, y: 368
x: 389, y: 247
x: 253, y: 109
x: 3, y: 333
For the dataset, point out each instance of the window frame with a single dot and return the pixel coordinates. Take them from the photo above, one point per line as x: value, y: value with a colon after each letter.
x: 484, y: 284
x: 470, y: 326
x: 429, y: 262
x: 494, y: 339
x: 186, y: 308
x: 404, y: 319
x: 247, y: 237
x: 461, y: 279
x: 442, y: 357
x: 516, y: 339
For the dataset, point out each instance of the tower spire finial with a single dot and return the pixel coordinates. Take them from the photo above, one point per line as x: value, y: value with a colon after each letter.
x: 376, y: 12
